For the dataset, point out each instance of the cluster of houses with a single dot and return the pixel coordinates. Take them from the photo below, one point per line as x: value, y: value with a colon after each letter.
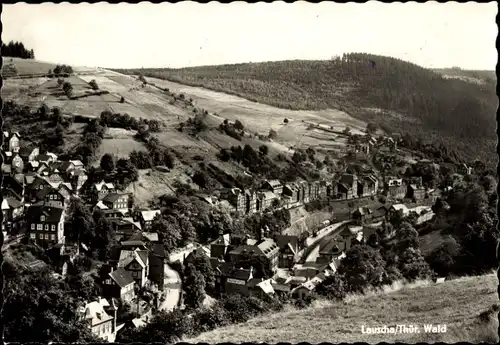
x: 274, y: 194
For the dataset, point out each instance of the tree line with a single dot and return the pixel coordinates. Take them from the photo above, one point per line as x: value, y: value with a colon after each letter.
x: 18, y: 50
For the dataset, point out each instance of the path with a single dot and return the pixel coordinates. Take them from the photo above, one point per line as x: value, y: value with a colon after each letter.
x: 173, y: 289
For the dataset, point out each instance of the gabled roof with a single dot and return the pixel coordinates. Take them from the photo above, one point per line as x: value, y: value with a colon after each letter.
x: 267, y: 195
x: 284, y: 241
x: 273, y: 183
x: 241, y: 273
x: 121, y: 277
x: 10, y: 203
x: 52, y: 212
x: 149, y: 215
x: 102, y: 184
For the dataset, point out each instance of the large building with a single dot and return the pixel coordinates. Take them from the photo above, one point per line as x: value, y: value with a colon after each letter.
x: 45, y: 223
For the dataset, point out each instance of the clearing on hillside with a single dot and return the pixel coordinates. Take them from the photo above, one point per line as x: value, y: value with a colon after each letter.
x: 456, y: 304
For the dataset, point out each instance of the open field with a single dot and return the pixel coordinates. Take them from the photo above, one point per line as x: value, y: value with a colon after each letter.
x: 456, y: 304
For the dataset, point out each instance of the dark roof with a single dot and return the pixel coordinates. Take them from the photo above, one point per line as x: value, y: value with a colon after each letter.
x: 240, y: 273
x: 329, y: 247
x: 283, y: 240
x: 26, y: 151
x: 253, y: 250
x: 158, y: 249
x: 121, y: 277
x: 112, y: 197
x: 52, y: 212
x: 41, y: 194
x: 281, y: 287
x: 43, y: 157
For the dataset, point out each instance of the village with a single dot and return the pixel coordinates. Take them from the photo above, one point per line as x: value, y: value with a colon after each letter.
x: 38, y: 188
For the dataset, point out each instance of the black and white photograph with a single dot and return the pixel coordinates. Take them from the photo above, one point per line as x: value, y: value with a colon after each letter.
x: 249, y: 172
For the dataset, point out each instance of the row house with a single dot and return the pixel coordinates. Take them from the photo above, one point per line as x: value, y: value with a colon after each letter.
x: 101, y: 317
x: 11, y: 141
x: 237, y: 198
x: 274, y: 186
x: 45, y: 223
x: 367, y: 186
x: 265, y: 200
x: 117, y: 283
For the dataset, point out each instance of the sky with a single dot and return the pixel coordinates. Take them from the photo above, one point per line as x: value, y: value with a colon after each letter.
x: 431, y: 34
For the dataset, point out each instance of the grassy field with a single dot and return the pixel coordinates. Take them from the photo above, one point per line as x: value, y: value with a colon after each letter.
x: 456, y: 304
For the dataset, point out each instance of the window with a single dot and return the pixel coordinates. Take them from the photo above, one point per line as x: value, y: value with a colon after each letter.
x: 33, y: 226
x: 42, y: 218
x: 53, y: 237
x: 46, y: 236
x: 40, y: 236
x: 46, y: 227
x: 33, y: 236
x: 53, y: 227
x: 39, y: 226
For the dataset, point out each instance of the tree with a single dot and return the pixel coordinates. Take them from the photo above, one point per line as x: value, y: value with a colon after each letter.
x: 264, y: 150
x: 238, y: 125
x: 194, y: 287
x: 272, y: 134
x: 371, y: 128
x: 333, y: 287
x: 60, y: 81
x: 202, y: 264
x: 108, y: 162
x: 68, y: 89
x: 168, y: 229
x: 82, y: 224
x: 347, y: 130
x: 93, y: 85
x: 122, y: 99
x: 285, y: 120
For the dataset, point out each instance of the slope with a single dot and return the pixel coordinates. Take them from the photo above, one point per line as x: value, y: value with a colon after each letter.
x: 400, y: 96
x: 456, y: 304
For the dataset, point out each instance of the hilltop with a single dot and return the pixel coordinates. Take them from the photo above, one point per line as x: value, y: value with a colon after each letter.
x: 456, y: 304
x: 398, y: 95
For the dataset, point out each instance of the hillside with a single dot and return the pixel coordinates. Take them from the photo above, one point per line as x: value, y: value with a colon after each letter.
x: 456, y: 304
x: 400, y: 96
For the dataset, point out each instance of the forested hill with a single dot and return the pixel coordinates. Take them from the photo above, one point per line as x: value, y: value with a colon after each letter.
x: 399, y: 95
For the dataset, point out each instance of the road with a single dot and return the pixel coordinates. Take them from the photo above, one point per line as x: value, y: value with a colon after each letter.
x: 312, y: 252
x: 173, y: 289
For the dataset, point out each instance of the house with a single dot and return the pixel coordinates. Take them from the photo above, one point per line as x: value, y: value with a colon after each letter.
x: 379, y: 214
x: 330, y: 249
x: 12, y: 211
x: 77, y: 178
x: 117, y: 283
x: 137, y: 263
x: 325, y: 189
x: 123, y: 228
x: 288, y: 250
x: 39, y: 183
x: 265, y: 248
x: 308, y: 287
x: 304, y: 188
x: 362, y: 215
x: 17, y: 162
x: 45, y: 223
x: 422, y: 214
x: 266, y: 200
x: 13, y: 186
x: 236, y: 280
x: 29, y: 154
x: 260, y: 287
x: 464, y: 169
x: 59, y: 196
x: 395, y: 188
x: 351, y: 181
x: 11, y: 141
x: 102, y: 324
x: 101, y: 190
x: 45, y: 158
x: 274, y: 186
x: 343, y: 191
x: 219, y: 247
x: 250, y: 202
x: 401, y: 208
x: 236, y: 198
x: 367, y: 186
x: 415, y: 192
x: 118, y: 201
x: 146, y: 217
x: 292, y: 193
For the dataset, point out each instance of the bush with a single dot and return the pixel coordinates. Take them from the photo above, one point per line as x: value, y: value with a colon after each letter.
x: 93, y: 85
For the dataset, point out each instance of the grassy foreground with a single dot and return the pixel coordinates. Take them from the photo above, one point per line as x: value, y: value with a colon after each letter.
x: 456, y: 304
